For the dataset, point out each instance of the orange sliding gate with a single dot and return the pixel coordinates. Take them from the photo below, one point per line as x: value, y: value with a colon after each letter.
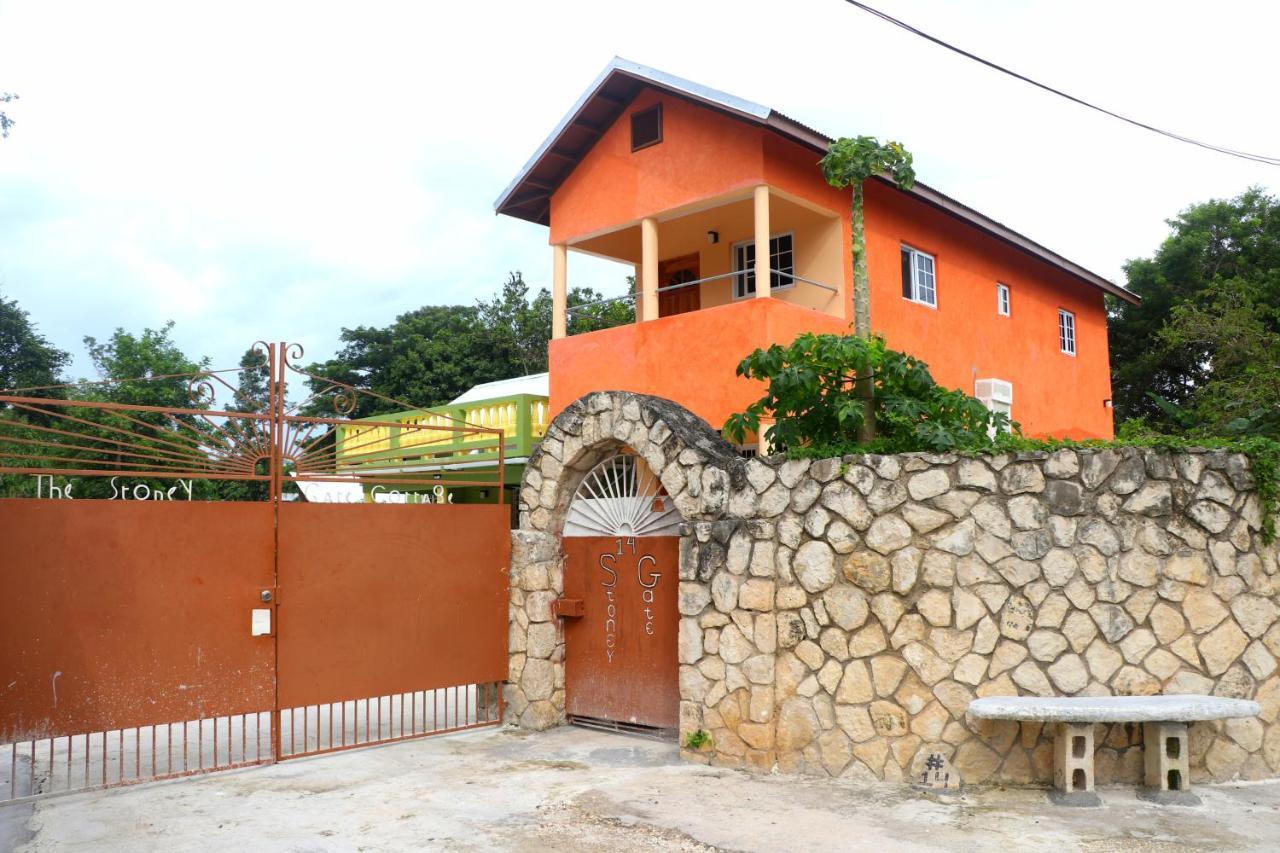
x: 161, y: 622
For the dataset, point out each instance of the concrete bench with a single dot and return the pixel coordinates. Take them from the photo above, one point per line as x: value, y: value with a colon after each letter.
x: 1164, y: 736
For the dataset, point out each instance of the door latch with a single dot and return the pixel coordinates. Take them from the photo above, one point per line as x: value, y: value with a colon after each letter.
x: 265, y: 595
x: 568, y: 607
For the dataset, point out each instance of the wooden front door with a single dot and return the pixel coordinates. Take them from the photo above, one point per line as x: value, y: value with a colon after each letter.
x: 621, y: 662
x: 679, y: 271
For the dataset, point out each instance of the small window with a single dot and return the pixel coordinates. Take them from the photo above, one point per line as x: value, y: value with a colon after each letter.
x: 1067, y: 331
x: 646, y: 127
x: 1002, y: 300
x: 918, y: 281
x: 782, y: 265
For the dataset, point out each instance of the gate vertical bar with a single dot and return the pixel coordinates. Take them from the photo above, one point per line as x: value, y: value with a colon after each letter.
x: 275, y: 357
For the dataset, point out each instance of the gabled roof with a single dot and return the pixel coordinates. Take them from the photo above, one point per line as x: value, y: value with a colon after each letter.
x: 528, y: 197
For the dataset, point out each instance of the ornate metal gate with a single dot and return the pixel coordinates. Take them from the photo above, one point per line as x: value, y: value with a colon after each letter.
x: 173, y: 605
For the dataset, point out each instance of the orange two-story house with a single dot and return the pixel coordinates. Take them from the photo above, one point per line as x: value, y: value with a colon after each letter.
x: 738, y: 242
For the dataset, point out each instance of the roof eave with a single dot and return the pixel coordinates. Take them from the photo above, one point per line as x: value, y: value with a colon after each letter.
x: 945, y: 203
x: 819, y: 142
x: 550, y: 141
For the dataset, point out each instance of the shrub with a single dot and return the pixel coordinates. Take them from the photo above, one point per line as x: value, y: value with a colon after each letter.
x: 817, y: 409
x: 697, y: 740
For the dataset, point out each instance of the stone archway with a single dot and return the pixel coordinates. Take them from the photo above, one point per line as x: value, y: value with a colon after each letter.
x: 697, y: 468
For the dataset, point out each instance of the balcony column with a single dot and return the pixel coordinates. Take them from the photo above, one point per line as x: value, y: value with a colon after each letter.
x: 648, y: 269
x: 559, y: 290
x: 763, y: 276
x: 763, y: 447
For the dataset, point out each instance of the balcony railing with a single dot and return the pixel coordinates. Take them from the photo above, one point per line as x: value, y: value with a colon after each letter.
x: 701, y: 281
x: 521, y: 417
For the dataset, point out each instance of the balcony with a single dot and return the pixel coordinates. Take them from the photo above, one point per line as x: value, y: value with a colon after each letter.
x: 434, y: 439
x: 689, y: 357
x: 716, y: 279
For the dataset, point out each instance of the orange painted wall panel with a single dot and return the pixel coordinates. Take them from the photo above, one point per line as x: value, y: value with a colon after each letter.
x: 689, y: 358
x: 703, y: 154
x: 964, y: 339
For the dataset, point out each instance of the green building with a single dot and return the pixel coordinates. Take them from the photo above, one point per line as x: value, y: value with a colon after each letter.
x: 517, y: 406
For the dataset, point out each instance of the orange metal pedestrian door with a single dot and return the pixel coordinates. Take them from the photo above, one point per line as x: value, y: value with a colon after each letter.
x: 620, y: 654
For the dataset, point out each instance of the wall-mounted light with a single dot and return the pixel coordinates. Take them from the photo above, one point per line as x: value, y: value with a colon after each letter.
x: 1106, y: 404
x: 713, y: 237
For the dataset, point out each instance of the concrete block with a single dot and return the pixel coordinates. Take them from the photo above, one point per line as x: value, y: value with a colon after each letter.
x: 1073, y: 765
x: 1167, y: 759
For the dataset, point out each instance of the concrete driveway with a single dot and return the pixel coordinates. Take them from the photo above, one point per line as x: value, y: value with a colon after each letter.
x: 574, y: 789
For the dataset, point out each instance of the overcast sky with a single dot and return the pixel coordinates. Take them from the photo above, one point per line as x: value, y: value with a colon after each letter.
x: 279, y: 171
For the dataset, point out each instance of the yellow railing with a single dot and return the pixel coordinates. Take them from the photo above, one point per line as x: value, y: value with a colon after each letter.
x: 522, y: 418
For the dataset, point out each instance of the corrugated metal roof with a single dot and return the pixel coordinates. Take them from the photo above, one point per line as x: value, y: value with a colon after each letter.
x: 535, y: 384
x: 528, y: 196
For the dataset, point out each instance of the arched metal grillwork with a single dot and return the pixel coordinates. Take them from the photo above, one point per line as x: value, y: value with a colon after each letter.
x: 621, y: 497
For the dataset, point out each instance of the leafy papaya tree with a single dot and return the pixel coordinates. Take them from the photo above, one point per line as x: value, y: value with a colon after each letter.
x: 812, y: 397
x: 848, y: 164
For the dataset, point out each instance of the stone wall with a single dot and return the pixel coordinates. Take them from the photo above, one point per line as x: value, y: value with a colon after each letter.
x: 838, y: 616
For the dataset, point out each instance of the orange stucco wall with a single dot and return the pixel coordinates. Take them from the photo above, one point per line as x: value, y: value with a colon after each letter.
x: 707, y: 156
x: 964, y: 338
x: 703, y: 154
x: 689, y: 358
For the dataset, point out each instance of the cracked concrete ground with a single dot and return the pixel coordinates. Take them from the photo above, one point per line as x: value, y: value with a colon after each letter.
x: 574, y: 789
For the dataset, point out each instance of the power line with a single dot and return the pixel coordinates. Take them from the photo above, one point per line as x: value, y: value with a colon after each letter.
x: 1257, y: 158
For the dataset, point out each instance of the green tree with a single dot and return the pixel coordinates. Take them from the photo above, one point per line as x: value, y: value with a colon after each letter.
x: 519, y: 328
x: 590, y: 311
x: 1239, y: 328
x: 135, y: 369
x: 1219, y: 266
x: 146, y: 369
x: 849, y: 164
x: 252, y: 394
x: 27, y: 359
x: 430, y: 356
x: 252, y: 383
x: 426, y: 357
x: 811, y: 395
x: 522, y: 326
x: 5, y: 121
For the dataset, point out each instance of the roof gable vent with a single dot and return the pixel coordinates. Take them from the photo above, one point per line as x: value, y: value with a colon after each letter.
x: 646, y: 127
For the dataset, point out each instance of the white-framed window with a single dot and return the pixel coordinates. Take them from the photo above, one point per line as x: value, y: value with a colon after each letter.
x: 782, y: 265
x: 995, y: 394
x: 1066, y: 331
x: 1002, y: 299
x: 919, y: 283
